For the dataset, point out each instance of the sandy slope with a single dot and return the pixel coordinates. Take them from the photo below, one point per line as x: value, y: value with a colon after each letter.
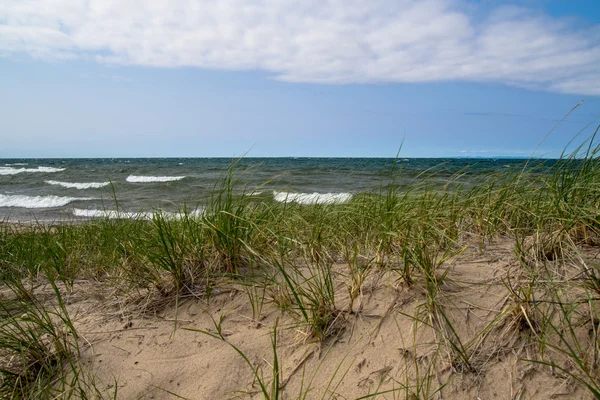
x: 385, y: 345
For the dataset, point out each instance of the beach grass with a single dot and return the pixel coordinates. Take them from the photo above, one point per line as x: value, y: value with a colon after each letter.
x: 313, y: 263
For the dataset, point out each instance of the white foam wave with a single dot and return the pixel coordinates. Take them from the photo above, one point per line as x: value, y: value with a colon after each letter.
x: 37, y: 201
x: 14, y: 171
x: 17, y: 163
x: 146, y: 179
x: 312, y: 198
x: 114, y: 214
x: 83, y: 185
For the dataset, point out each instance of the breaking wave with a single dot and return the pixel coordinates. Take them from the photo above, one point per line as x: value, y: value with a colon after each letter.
x: 146, y: 179
x: 14, y: 171
x: 37, y: 201
x: 312, y: 198
x: 75, y: 185
x: 114, y: 214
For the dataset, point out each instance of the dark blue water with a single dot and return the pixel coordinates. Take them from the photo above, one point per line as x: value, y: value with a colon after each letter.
x: 53, y: 189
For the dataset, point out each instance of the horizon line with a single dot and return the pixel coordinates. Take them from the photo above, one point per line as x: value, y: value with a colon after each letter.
x: 287, y: 157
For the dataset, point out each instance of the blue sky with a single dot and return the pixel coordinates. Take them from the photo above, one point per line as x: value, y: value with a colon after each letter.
x: 313, y: 78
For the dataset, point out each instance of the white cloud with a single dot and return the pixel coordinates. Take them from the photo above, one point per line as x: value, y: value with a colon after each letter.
x: 325, y: 41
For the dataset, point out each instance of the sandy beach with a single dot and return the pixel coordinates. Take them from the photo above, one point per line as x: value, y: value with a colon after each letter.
x: 486, y: 291
x: 387, y: 342
x: 387, y: 345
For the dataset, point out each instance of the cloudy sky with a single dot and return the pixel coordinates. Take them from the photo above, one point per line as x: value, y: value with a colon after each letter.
x: 108, y: 78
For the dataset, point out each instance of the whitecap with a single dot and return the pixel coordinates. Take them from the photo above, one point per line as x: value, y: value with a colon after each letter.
x: 17, y: 163
x: 312, y: 198
x: 82, y: 185
x: 37, y: 201
x: 45, y: 169
x: 114, y: 214
x: 14, y: 171
x: 146, y: 179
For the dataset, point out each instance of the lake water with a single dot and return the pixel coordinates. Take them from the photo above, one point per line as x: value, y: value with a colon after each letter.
x: 59, y: 189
